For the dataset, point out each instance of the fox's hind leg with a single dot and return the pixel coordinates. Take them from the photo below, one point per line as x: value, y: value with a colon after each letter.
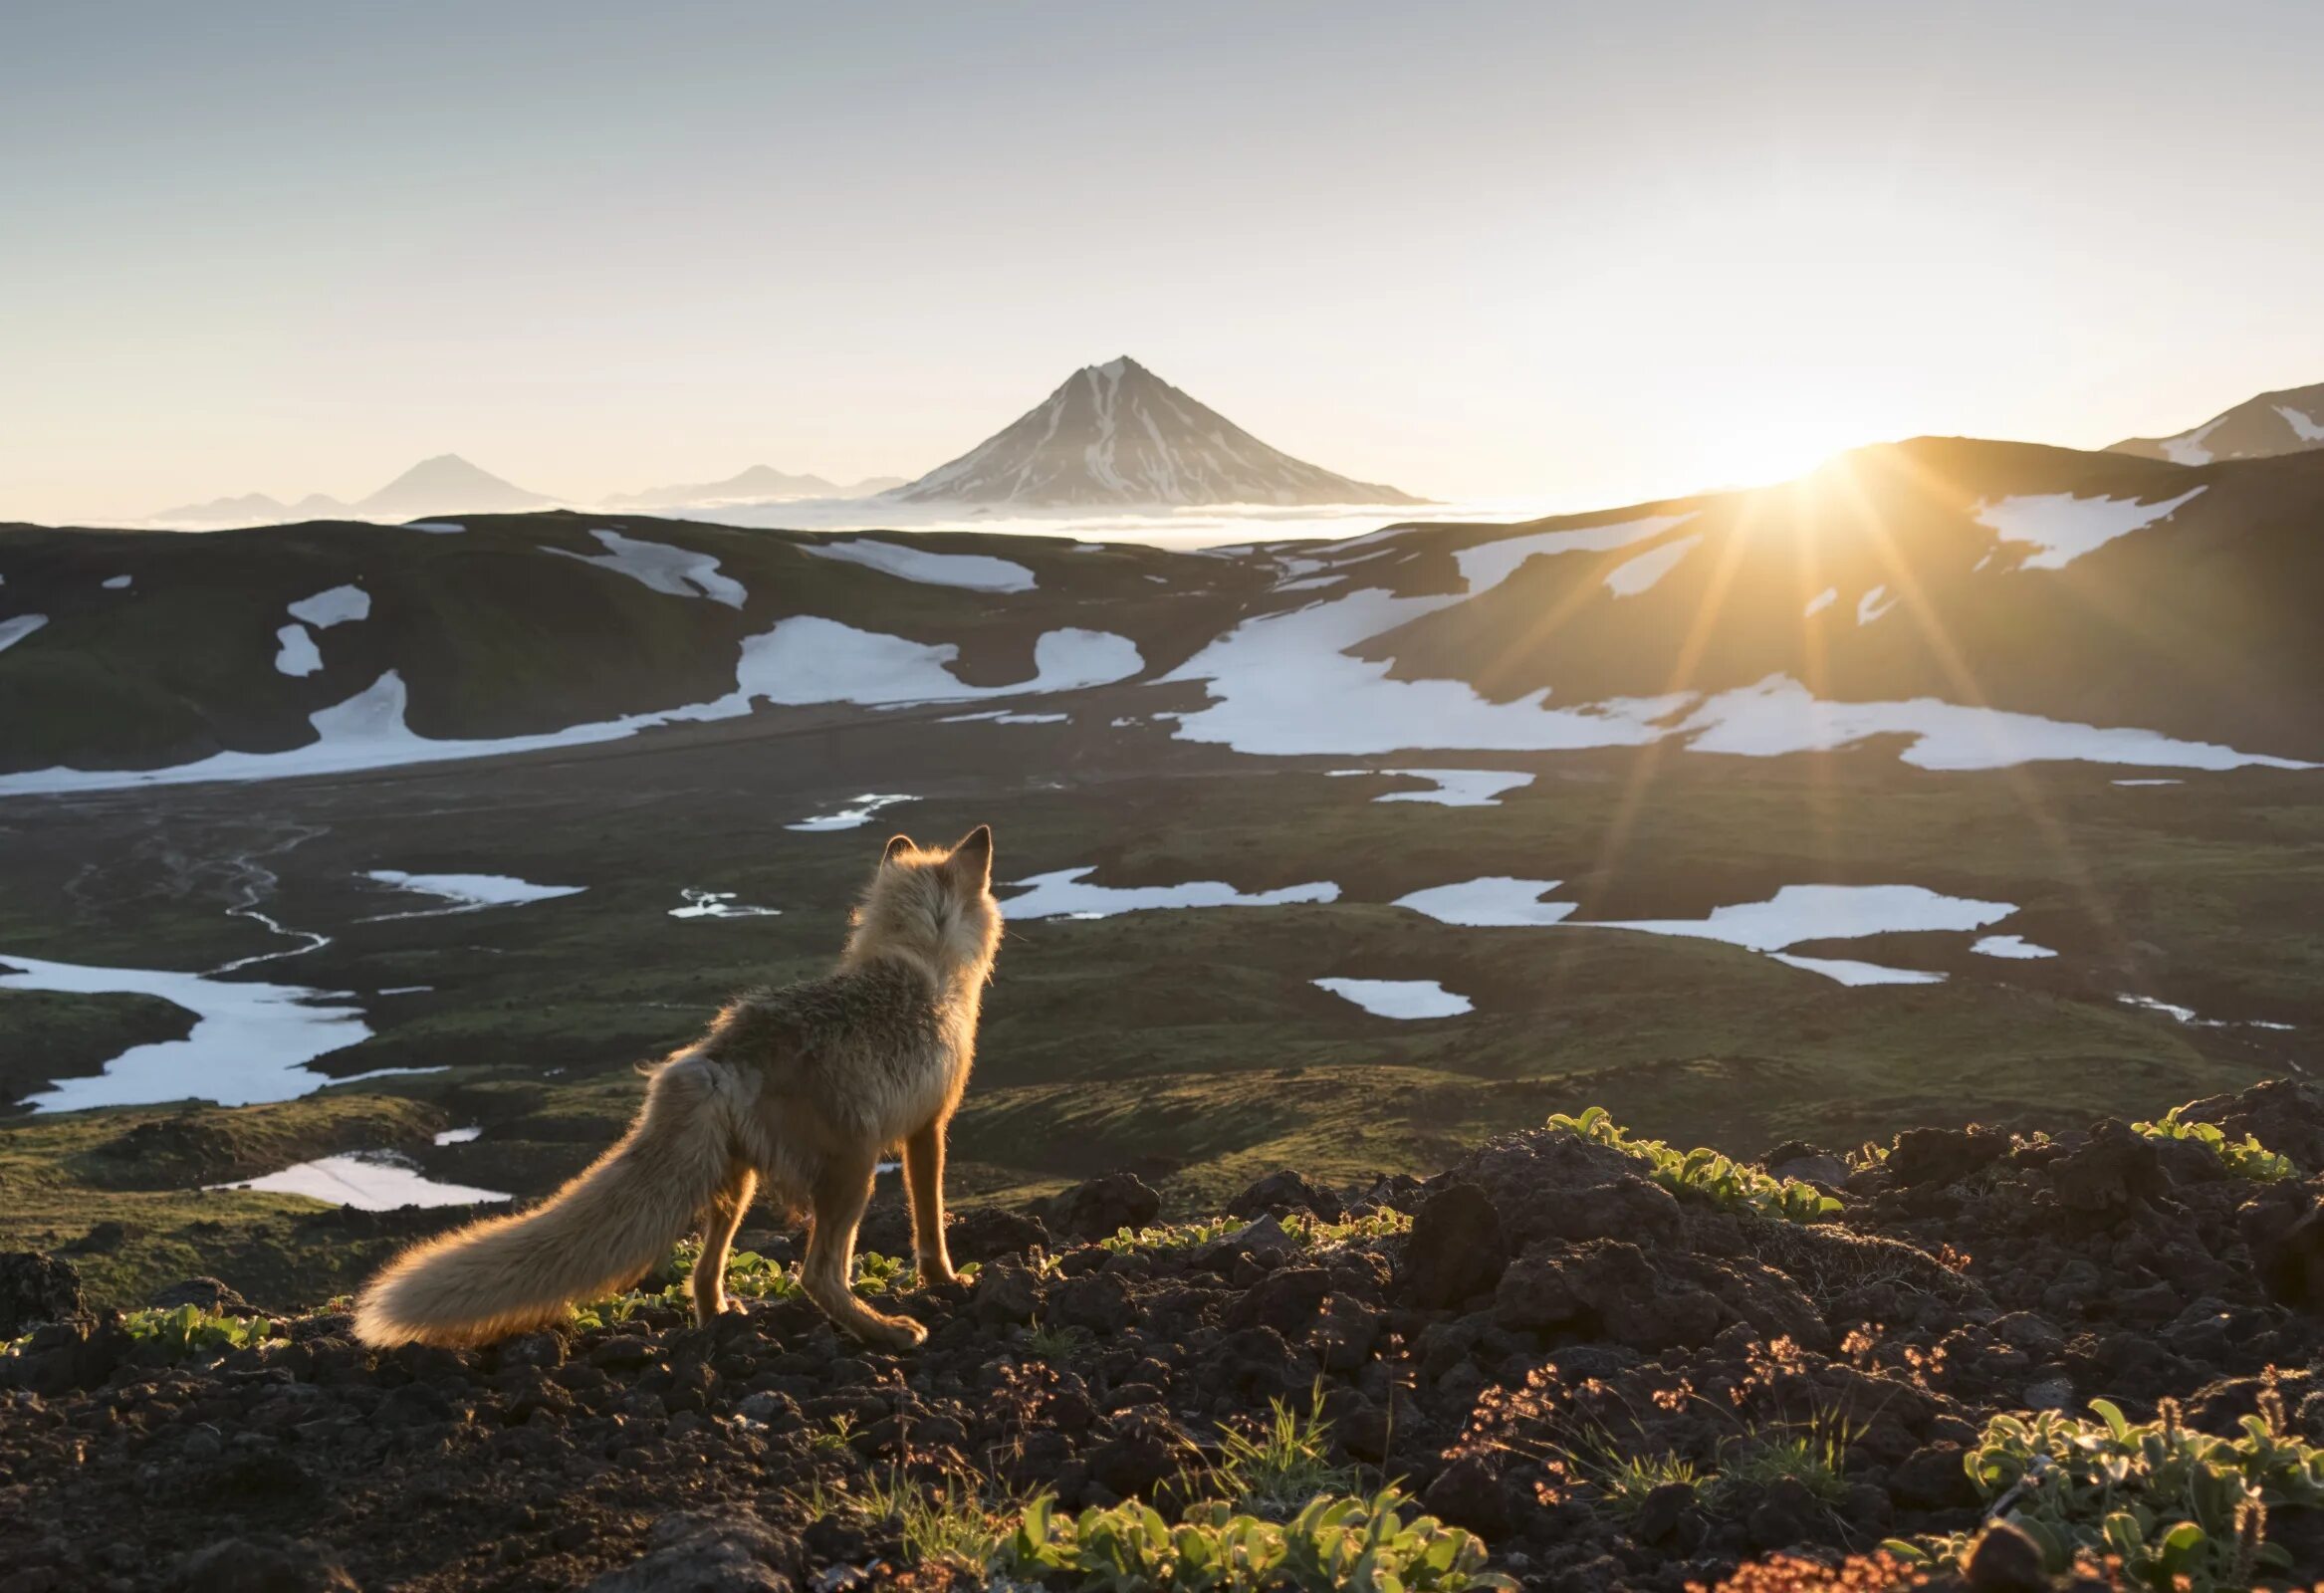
x: 722, y: 1218
x: 840, y: 1194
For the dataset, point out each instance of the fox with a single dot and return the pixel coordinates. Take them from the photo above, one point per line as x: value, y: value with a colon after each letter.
x: 794, y: 1093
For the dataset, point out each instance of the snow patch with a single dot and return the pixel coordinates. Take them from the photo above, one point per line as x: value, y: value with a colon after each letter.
x: 458, y: 1136
x: 970, y: 571
x: 2306, y: 427
x: 678, y: 572
x: 1873, y: 604
x: 1795, y: 915
x: 2064, y: 527
x: 468, y: 893
x: 1399, y: 998
x: 1001, y: 716
x: 801, y: 661
x: 809, y: 659
x: 296, y: 653
x: 1635, y: 575
x: 369, y: 1181
x: 1820, y: 602
x: 337, y: 606
x: 118, y: 582
x: 2016, y: 946
x: 2147, y: 782
x: 1495, y: 901
x: 1453, y: 788
x: 2187, y: 447
x: 1066, y: 893
x: 436, y: 528
x: 15, y: 629
x: 1779, y: 716
x: 850, y: 817
x: 250, y: 1042
x: 720, y: 904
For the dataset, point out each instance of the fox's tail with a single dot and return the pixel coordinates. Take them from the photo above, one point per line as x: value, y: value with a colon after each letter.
x: 600, y: 1233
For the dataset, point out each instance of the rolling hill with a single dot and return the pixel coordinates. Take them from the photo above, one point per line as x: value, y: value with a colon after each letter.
x: 1970, y: 604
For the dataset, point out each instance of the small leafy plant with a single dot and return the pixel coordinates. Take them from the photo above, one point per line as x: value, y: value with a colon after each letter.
x: 1349, y: 1542
x: 1704, y: 1171
x: 189, y: 1330
x: 2179, y: 1510
x: 2245, y: 1158
x: 1305, y: 1229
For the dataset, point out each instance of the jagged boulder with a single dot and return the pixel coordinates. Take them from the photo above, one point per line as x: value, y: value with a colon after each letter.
x: 1943, y: 1155
x: 36, y: 1289
x: 1549, y: 1185
x: 265, y: 1564
x: 725, y: 1550
x: 1456, y: 1249
x: 1286, y: 1191
x: 1100, y: 1207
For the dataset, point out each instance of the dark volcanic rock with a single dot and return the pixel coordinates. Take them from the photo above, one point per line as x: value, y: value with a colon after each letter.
x: 36, y: 1289
x: 2116, y: 1168
x: 1548, y: 1291
x: 266, y: 1564
x: 2292, y: 1265
x: 1101, y: 1207
x: 1547, y: 1184
x: 1454, y: 1249
x: 1286, y: 1191
x: 1942, y: 1155
x: 707, y: 1552
x: 2006, y: 1560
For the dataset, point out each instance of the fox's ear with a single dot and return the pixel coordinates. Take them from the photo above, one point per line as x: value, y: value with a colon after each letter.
x: 974, y: 857
x: 897, y: 845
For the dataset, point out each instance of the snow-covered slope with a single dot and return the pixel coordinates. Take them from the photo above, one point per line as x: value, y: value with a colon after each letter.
x: 2287, y: 422
x: 1117, y: 433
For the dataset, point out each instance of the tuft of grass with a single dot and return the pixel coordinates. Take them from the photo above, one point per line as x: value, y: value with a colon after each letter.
x: 1286, y: 1461
x: 1623, y: 1477
x: 1704, y: 1172
x: 2245, y: 1158
x: 1051, y: 1343
x: 1813, y: 1455
x: 960, y: 1525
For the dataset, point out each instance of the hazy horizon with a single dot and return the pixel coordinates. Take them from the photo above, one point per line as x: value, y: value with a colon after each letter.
x: 1488, y: 251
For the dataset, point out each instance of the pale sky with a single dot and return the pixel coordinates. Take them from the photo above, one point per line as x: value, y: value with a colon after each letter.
x: 1586, y: 253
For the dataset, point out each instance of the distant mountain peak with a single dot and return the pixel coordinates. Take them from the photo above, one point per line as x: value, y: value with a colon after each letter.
x: 448, y: 484
x: 1117, y: 433
x: 757, y: 484
x: 2287, y: 422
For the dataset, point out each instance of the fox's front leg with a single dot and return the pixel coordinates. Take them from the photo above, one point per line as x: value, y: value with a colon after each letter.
x: 924, y: 1174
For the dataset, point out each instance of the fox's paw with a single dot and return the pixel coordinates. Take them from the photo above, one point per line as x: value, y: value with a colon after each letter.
x: 895, y: 1332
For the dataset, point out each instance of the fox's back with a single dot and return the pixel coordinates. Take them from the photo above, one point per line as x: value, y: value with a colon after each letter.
x: 872, y: 1045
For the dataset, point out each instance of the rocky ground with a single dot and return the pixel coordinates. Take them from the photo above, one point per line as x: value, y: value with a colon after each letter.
x: 1588, y: 1371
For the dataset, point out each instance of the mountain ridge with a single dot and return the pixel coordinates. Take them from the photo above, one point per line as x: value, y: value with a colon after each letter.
x: 2287, y: 422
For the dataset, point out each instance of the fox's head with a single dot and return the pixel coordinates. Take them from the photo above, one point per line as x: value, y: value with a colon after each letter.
x: 933, y: 902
